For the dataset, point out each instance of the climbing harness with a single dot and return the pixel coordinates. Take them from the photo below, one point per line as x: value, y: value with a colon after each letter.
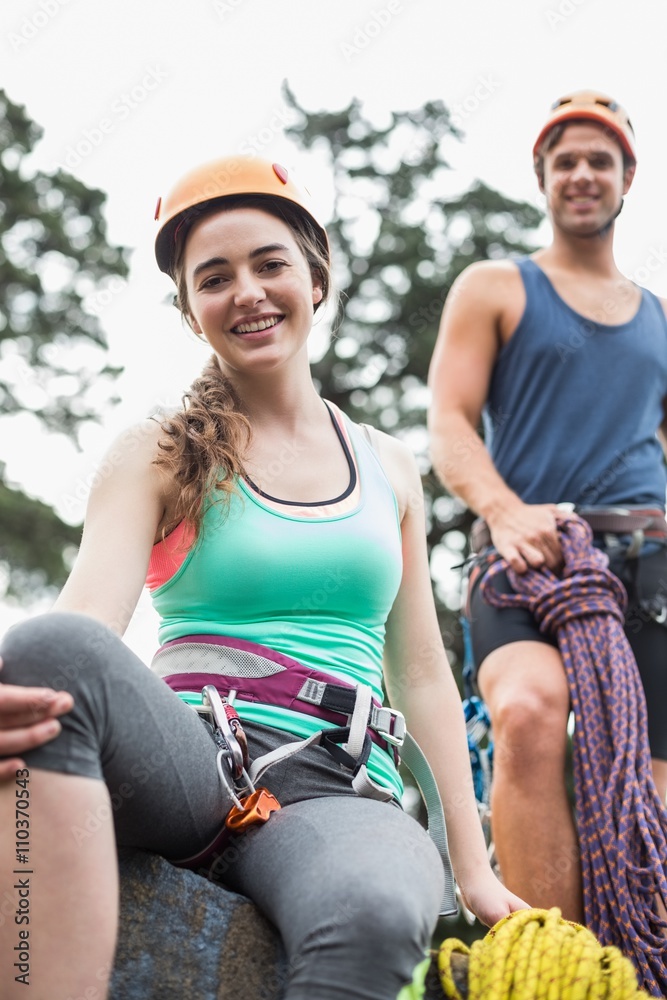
x: 226, y: 669
x: 622, y: 824
x: 536, y: 955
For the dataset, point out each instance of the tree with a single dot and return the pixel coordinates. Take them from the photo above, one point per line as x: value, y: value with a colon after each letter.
x: 53, y: 256
x: 398, y: 245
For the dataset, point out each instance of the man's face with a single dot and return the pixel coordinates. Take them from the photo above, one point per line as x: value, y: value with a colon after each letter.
x: 584, y: 178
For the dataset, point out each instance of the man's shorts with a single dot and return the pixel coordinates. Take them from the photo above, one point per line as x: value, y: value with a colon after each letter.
x: 645, y: 581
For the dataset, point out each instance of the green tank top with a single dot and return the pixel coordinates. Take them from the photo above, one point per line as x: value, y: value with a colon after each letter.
x: 318, y: 589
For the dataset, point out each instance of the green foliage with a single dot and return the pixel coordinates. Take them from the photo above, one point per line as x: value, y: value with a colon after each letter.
x: 33, y: 541
x: 53, y: 256
x: 398, y: 246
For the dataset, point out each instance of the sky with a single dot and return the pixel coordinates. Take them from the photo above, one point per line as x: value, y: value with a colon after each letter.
x: 133, y: 93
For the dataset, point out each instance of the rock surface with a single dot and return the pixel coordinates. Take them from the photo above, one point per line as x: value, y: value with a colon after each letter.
x: 183, y: 937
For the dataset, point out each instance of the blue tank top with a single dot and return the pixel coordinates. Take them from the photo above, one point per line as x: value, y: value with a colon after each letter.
x: 574, y: 405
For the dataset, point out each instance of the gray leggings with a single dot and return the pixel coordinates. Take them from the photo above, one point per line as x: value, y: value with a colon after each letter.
x: 353, y: 885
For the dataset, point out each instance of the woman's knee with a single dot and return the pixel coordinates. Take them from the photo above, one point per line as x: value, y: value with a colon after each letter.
x: 392, y: 908
x: 56, y: 650
x: 380, y: 934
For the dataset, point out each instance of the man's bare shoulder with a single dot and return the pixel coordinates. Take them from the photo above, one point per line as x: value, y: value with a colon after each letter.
x: 490, y: 280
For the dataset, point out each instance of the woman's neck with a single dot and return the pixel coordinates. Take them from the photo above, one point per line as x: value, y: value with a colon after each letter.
x: 280, y: 398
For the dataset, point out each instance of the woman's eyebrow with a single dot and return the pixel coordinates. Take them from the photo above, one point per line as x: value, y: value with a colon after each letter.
x: 222, y: 261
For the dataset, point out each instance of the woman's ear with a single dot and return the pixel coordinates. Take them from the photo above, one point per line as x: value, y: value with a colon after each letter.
x: 318, y: 293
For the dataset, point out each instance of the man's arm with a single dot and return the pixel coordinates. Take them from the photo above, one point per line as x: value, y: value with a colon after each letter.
x: 662, y: 429
x: 481, y: 310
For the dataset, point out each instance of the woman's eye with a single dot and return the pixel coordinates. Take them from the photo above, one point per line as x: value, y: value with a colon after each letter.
x: 213, y: 281
x: 273, y: 265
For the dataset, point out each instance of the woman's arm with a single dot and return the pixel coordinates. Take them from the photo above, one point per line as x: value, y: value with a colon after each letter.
x: 420, y: 683
x: 126, y: 507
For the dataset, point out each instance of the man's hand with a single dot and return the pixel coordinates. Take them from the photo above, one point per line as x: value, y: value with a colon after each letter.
x: 28, y: 718
x: 526, y: 535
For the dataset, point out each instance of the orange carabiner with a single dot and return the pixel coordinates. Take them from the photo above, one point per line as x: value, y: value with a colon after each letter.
x: 254, y: 808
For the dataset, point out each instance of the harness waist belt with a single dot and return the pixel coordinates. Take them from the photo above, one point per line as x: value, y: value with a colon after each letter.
x: 604, y: 520
x: 260, y: 674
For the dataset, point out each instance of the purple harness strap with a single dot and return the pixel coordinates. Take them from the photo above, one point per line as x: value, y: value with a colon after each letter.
x: 284, y: 688
x: 621, y: 821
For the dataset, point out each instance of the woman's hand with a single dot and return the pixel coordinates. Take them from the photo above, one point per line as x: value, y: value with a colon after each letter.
x: 487, y: 897
x: 28, y: 718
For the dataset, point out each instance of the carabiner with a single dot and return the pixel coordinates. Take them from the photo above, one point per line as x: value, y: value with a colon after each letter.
x: 234, y: 751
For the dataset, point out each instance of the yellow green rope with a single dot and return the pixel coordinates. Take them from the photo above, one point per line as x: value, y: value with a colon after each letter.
x: 536, y: 955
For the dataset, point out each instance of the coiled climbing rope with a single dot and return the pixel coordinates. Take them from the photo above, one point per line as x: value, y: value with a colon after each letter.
x: 535, y: 955
x: 621, y: 822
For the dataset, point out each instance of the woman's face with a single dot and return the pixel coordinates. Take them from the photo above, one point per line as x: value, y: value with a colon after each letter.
x: 250, y: 290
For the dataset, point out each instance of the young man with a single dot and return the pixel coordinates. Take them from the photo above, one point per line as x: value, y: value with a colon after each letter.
x: 567, y: 360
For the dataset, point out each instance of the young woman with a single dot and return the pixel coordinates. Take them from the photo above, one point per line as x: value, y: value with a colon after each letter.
x: 278, y: 541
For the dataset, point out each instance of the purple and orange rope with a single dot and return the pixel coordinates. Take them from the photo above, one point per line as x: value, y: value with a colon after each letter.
x: 621, y: 822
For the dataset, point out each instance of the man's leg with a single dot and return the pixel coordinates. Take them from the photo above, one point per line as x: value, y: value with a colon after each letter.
x: 660, y: 777
x: 525, y: 687
x: 644, y: 580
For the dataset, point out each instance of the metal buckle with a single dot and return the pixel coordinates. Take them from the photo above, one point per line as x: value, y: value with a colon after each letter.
x: 395, y: 738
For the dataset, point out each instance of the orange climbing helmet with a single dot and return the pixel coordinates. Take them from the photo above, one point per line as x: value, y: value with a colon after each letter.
x: 589, y: 104
x: 225, y: 178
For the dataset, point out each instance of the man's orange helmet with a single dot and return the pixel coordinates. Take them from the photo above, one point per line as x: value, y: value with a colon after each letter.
x: 226, y: 178
x: 588, y: 104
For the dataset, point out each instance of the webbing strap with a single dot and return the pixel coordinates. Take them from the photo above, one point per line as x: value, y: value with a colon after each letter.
x: 287, y: 750
x: 363, y: 784
x: 359, y: 721
x: 414, y: 759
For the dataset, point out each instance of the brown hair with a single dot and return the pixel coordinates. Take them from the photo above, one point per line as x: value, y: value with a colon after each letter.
x: 555, y: 134
x: 203, y: 445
